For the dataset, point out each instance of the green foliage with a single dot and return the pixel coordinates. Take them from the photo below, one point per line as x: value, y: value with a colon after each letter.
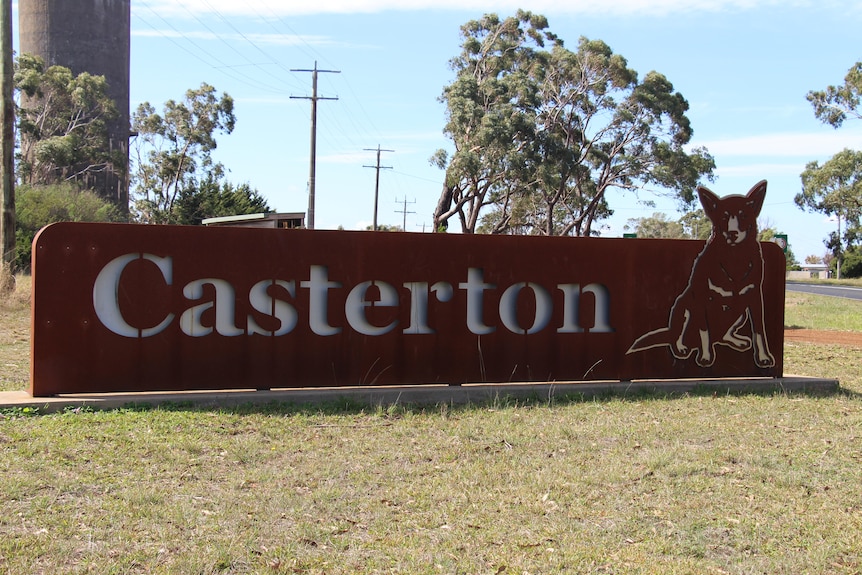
x: 488, y: 113
x: 62, y: 124
x: 38, y: 206
x: 835, y: 189
x: 767, y: 233
x: 694, y: 225
x: 834, y: 104
x: 210, y: 199
x: 851, y: 263
x: 659, y: 225
x: 173, y: 150
x: 541, y: 133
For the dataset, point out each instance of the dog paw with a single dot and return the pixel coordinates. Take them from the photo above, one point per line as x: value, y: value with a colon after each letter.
x: 680, y: 351
x: 738, y: 343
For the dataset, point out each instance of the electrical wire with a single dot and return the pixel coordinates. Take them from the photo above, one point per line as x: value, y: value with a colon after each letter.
x: 333, y: 127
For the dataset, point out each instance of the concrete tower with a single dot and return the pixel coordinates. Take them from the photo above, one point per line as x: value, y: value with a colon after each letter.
x: 87, y: 36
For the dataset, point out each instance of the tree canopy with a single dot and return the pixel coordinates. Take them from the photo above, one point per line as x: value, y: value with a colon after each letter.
x: 836, y: 103
x: 38, y: 206
x: 174, y: 150
x: 835, y: 188
x: 541, y: 133
x: 211, y: 199
x: 62, y: 124
x: 658, y: 225
x: 696, y: 225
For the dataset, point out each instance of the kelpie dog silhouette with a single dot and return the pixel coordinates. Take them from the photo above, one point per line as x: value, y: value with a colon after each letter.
x: 724, y: 291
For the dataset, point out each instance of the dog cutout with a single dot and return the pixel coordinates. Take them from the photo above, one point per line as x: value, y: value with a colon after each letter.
x: 724, y: 292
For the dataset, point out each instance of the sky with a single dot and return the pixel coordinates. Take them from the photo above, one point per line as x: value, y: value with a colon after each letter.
x: 745, y: 67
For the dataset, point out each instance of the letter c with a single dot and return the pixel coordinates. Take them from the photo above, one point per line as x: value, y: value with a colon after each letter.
x: 106, y: 295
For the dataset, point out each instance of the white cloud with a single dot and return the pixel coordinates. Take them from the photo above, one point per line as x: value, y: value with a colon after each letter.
x: 270, y: 39
x: 278, y: 8
x: 349, y: 158
x: 758, y: 170
x: 789, y: 145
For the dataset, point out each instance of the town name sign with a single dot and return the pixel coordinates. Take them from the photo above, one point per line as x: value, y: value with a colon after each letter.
x: 122, y: 307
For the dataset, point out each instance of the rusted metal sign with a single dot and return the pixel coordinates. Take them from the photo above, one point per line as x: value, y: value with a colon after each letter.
x: 130, y: 308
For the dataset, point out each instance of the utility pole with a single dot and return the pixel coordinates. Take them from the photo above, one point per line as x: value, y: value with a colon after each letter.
x: 403, y: 211
x: 7, y: 147
x: 313, y: 164
x: 377, y: 180
x: 838, y: 263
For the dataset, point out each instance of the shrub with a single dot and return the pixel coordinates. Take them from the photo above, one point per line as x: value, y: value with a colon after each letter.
x: 851, y: 266
x: 38, y: 206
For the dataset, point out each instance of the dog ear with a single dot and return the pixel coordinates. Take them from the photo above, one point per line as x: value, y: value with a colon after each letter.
x: 708, y: 200
x: 756, y: 196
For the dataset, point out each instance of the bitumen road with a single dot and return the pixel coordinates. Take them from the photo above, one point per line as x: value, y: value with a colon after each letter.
x: 848, y: 292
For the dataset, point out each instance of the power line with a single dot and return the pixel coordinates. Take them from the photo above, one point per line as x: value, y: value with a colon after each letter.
x: 241, y: 35
x: 313, y: 163
x: 208, y: 60
x: 353, y: 118
x: 378, y: 167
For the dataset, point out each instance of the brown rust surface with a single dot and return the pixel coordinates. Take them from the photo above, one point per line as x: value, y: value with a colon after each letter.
x: 599, y: 296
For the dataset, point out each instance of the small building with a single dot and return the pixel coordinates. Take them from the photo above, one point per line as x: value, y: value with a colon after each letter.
x: 810, y: 271
x: 289, y: 220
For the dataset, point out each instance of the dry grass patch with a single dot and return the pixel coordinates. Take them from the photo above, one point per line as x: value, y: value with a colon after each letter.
x: 15, y: 336
x: 691, y: 485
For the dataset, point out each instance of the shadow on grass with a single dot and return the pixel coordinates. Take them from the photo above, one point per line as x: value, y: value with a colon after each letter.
x: 497, y: 399
x: 351, y: 406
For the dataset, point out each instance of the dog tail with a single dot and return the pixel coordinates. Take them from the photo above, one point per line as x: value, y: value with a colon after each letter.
x: 655, y: 338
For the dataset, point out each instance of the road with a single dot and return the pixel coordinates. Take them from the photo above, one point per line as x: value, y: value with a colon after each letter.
x: 848, y: 292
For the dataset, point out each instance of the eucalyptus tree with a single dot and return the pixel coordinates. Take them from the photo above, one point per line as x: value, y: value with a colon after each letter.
x: 562, y: 129
x: 696, y: 225
x: 836, y: 103
x: 62, y: 124
x: 490, y: 114
x: 835, y: 189
x: 658, y: 225
x: 174, y: 150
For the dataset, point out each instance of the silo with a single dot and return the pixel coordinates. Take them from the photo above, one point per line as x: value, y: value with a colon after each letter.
x: 86, y: 36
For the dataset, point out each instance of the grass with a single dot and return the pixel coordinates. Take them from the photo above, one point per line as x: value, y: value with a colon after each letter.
x: 695, y: 484
x: 809, y: 311
x: 15, y: 336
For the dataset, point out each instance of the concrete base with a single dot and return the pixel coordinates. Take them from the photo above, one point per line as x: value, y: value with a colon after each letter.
x: 420, y: 395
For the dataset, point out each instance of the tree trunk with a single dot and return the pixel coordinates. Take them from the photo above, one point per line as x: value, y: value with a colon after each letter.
x: 441, y: 221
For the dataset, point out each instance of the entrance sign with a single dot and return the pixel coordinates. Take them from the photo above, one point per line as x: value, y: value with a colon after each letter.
x: 122, y: 307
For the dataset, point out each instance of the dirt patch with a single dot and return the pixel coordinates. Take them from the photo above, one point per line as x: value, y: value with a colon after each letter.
x: 850, y: 338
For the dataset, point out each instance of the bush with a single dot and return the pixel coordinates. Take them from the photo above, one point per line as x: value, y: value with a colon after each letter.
x: 851, y: 266
x: 38, y: 206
